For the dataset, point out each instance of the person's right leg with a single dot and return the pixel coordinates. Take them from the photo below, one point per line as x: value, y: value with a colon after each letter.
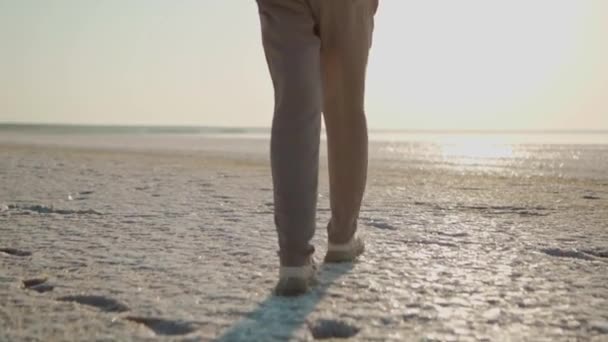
x: 292, y: 53
x: 346, y: 32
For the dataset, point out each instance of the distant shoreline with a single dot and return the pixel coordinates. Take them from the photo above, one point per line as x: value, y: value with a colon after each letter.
x: 182, y: 129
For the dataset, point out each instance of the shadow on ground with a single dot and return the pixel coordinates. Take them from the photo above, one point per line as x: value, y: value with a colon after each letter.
x: 278, y: 318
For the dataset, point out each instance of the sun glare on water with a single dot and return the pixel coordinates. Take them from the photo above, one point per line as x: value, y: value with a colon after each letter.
x: 475, y: 150
x: 486, y: 154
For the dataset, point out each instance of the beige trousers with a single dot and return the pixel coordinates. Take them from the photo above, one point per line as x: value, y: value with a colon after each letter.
x: 317, y: 52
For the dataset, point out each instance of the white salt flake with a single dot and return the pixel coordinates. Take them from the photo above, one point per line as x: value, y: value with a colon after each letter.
x: 492, y: 315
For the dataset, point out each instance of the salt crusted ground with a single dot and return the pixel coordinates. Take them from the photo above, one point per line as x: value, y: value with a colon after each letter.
x: 119, y: 245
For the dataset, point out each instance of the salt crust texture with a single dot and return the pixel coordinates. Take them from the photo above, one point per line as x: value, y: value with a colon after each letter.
x: 119, y: 245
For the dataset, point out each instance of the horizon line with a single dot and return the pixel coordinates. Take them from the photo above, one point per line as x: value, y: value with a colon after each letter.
x: 267, y: 128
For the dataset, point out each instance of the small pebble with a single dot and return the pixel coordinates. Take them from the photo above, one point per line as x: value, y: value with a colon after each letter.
x: 37, y: 284
x: 332, y: 329
x: 33, y: 281
x: 42, y: 288
x: 600, y: 326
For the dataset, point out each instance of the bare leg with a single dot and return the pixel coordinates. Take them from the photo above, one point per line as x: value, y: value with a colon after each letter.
x: 346, y: 34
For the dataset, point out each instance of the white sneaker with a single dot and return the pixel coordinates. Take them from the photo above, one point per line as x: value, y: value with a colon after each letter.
x: 294, y: 281
x: 346, y: 252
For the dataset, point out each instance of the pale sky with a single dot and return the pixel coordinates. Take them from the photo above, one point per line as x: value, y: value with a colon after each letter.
x: 467, y: 64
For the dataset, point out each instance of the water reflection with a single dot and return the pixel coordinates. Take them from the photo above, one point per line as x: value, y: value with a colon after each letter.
x: 469, y: 150
x: 497, y: 154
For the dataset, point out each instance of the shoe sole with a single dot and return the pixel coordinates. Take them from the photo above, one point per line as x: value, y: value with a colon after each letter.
x: 292, y: 287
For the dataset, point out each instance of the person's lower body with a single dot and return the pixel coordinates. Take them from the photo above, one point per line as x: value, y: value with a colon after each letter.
x: 317, y: 53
